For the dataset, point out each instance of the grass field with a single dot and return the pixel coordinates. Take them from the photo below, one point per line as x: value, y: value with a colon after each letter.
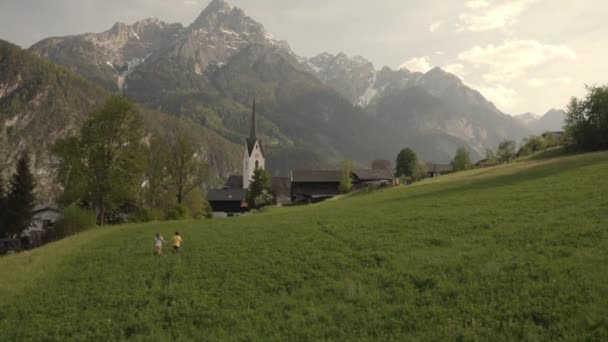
x: 516, y: 252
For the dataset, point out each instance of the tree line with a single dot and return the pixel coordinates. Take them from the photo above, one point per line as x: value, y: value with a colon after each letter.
x: 116, y: 170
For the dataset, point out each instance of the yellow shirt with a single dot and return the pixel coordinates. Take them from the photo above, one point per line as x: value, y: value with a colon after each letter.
x: 177, y: 240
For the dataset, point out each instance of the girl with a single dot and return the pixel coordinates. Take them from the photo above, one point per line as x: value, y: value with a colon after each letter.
x: 158, y: 243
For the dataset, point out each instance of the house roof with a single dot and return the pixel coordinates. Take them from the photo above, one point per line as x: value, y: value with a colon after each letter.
x: 281, y: 186
x: 316, y: 176
x: 374, y: 175
x: 234, y: 182
x: 227, y: 195
x: 440, y: 167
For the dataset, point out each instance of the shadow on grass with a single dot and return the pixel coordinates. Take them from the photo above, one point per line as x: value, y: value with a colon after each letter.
x: 529, y: 174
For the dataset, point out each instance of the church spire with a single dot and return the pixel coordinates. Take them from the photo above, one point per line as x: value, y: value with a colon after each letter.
x: 252, y: 135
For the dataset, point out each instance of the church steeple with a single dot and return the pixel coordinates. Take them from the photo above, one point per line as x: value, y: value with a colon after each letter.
x: 252, y: 134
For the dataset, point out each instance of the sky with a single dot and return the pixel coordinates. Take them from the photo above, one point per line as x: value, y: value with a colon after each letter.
x: 523, y: 55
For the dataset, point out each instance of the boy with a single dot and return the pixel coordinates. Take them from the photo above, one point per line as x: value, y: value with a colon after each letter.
x: 177, y: 242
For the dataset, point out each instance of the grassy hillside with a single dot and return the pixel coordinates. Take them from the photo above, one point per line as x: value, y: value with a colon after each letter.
x: 517, y: 252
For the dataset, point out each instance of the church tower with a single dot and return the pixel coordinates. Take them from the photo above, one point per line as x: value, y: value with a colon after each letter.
x: 254, y: 153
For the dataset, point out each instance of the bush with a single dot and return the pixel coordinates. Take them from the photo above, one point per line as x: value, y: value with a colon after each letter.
x: 148, y: 215
x: 74, y: 220
x: 179, y: 212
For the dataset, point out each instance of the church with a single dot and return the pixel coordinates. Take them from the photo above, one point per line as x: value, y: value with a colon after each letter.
x: 231, y: 200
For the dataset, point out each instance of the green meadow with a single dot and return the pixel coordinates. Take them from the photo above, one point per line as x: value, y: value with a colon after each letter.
x: 515, y: 252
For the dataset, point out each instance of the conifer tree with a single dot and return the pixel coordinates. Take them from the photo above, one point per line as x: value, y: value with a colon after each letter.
x: 260, y: 190
x: 20, y: 201
x: 2, y: 209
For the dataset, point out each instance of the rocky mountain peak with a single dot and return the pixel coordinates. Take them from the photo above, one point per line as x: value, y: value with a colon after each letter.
x: 220, y: 16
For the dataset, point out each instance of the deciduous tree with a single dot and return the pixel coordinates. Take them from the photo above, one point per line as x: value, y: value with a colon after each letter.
x: 406, y: 163
x: 506, y: 151
x: 462, y: 160
x: 260, y: 189
x: 105, y: 168
x: 346, y: 181
x: 587, y: 119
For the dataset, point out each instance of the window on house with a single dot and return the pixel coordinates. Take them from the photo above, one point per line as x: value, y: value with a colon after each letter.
x: 257, y: 164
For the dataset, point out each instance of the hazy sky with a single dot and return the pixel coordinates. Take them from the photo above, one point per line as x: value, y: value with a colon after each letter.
x: 524, y: 55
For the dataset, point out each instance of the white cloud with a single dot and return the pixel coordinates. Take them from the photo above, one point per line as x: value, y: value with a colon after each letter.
x: 477, y: 4
x: 511, y: 60
x: 435, y: 26
x: 563, y: 80
x: 492, y: 18
x: 421, y: 64
x: 536, y: 83
x: 456, y: 69
x: 191, y: 2
x: 501, y: 96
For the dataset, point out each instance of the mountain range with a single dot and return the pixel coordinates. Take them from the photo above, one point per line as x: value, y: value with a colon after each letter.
x: 312, y: 112
x: 553, y: 120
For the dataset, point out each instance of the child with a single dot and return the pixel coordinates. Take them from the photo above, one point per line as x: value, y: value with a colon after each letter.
x: 158, y: 243
x: 177, y: 242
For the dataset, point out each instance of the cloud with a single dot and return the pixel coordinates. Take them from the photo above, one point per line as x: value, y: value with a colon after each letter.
x: 421, y: 64
x: 191, y: 2
x: 563, y: 80
x: 501, y: 96
x: 512, y: 59
x: 477, y: 4
x: 435, y: 26
x: 456, y: 69
x: 536, y: 83
x: 492, y: 18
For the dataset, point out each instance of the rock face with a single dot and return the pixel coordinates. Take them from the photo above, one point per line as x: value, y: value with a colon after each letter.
x: 435, y: 103
x: 41, y: 103
x: 552, y: 121
x: 312, y: 112
x: 108, y: 58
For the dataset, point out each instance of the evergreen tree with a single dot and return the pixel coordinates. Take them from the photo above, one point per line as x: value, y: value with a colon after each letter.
x: 462, y: 160
x: 406, y: 163
x: 260, y: 190
x: 20, y: 201
x: 346, y: 181
x: 3, y: 226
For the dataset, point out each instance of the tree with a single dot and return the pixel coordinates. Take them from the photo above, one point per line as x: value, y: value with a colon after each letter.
x: 184, y: 164
x: 406, y: 163
x: 381, y: 164
x: 491, y: 158
x: 587, y: 119
x: 102, y: 167
x: 462, y: 160
x: 506, y: 151
x: 260, y: 189
x: 3, y: 226
x: 532, y: 144
x: 421, y: 172
x: 346, y: 181
x: 21, y: 200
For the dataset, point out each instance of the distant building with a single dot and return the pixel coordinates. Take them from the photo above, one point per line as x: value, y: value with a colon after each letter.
x: 42, y: 228
x: 232, y: 198
x: 281, y: 188
x: 372, y: 178
x: 228, y: 202
x: 314, y: 185
x: 436, y: 170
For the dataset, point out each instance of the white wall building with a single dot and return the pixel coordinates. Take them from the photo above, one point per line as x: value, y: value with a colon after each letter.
x: 254, y: 154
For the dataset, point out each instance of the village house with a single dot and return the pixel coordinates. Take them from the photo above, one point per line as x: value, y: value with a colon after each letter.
x: 41, y: 230
x: 436, y: 170
x: 311, y: 186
